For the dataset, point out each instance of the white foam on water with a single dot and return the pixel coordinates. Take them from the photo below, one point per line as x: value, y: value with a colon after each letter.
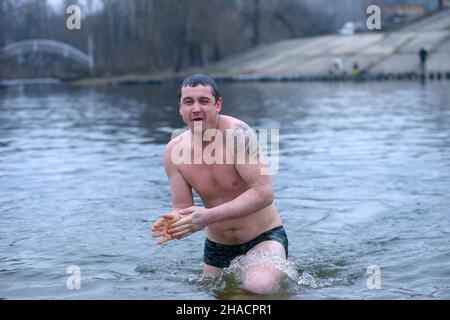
x: 267, y: 258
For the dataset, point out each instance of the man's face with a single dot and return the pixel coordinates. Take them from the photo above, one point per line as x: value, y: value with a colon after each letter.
x: 198, y: 105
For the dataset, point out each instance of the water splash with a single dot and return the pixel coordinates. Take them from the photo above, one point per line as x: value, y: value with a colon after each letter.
x: 295, y: 280
x: 307, y: 280
x: 263, y: 258
x: 291, y: 281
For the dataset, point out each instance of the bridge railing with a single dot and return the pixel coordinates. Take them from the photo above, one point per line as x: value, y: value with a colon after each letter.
x: 49, y: 46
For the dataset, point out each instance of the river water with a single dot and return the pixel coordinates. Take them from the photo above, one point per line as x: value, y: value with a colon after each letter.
x: 362, y: 189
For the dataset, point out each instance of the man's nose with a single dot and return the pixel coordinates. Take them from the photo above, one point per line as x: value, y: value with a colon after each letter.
x: 196, y: 108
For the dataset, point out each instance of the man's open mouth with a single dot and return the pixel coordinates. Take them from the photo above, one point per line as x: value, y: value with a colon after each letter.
x: 197, y: 119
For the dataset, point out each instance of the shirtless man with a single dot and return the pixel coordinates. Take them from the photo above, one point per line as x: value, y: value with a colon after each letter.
x: 239, y: 214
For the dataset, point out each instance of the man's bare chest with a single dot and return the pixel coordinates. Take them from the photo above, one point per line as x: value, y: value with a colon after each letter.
x: 213, y: 181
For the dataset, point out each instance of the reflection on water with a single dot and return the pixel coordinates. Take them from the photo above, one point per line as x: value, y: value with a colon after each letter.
x: 363, y: 180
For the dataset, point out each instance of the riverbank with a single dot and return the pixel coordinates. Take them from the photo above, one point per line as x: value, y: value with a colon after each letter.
x: 131, y: 79
x: 377, y: 55
x: 149, y: 80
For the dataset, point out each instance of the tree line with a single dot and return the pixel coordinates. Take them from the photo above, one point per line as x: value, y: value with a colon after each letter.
x: 161, y: 35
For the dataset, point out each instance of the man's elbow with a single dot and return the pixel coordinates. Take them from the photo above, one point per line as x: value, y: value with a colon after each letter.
x: 265, y: 195
x: 269, y: 198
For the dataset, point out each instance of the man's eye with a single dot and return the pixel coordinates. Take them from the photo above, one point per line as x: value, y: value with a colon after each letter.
x: 204, y: 101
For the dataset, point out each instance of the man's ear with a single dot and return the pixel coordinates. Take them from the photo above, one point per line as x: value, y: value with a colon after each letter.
x: 219, y: 105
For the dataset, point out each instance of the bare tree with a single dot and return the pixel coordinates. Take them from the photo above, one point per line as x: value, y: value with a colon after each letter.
x: 157, y: 35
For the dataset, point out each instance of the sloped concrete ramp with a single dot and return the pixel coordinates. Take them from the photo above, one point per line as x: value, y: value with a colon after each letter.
x: 375, y: 53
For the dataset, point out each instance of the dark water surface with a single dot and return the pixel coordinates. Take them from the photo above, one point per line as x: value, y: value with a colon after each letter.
x: 364, y: 180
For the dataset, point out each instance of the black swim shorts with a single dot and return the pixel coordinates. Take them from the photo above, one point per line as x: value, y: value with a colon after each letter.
x: 220, y: 255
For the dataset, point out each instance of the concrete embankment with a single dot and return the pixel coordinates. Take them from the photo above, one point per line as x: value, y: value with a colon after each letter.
x: 380, y: 55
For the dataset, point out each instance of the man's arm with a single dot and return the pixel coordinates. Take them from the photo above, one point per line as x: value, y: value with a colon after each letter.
x: 181, y: 193
x: 180, y: 190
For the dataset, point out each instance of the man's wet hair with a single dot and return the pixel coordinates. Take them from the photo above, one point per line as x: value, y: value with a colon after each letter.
x: 200, y: 79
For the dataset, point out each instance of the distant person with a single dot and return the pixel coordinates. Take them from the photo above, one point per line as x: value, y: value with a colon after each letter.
x: 423, y: 55
x: 239, y: 213
x: 337, y: 67
x: 356, y: 71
